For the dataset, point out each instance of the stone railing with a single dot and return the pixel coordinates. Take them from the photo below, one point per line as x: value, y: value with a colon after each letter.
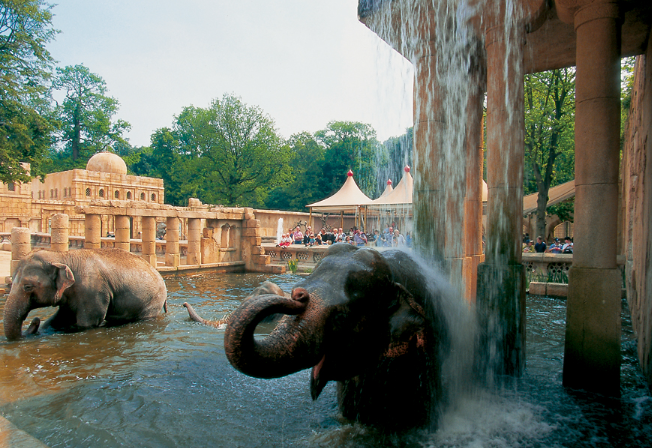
x: 307, y: 256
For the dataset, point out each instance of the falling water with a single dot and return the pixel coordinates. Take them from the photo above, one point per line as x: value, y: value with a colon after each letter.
x: 279, y: 231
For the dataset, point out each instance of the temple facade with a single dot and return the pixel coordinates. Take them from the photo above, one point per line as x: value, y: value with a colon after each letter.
x: 32, y: 204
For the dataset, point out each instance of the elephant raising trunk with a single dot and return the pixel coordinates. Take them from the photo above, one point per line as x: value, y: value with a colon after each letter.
x: 361, y: 319
x: 281, y: 353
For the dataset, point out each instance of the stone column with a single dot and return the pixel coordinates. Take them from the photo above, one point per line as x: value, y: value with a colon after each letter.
x: 93, y: 231
x: 59, y: 232
x: 194, y: 240
x: 439, y: 184
x: 172, y: 242
x: 501, y: 278
x: 21, y: 245
x: 149, y: 239
x: 122, y: 233
x: 592, y: 356
x: 473, y: 199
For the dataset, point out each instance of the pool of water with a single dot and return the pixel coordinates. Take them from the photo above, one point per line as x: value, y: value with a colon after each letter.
x: 168, y: 383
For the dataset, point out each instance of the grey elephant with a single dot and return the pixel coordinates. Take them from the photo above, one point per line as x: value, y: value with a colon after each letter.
x: 369, y: 321
x: 90, y: 287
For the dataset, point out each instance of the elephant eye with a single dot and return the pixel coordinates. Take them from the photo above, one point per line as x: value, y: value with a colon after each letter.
x: 28, y: 288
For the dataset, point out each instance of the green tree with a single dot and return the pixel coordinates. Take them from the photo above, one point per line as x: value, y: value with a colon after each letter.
x: 86, y: 115
x: 307, y: 165
x: 549, y: 134
x: 228, y: 153
x: 349, y: 146
x: 25, y: 67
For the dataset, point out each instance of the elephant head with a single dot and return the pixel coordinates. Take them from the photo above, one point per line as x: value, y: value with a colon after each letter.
x: 347, y: 316
x: 40, y: 281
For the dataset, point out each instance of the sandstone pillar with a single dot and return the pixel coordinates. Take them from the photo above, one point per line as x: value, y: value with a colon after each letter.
x: 194, y: 240
x: 501, y: 278
x: 122, y: 227
x: 59, y: 232
x: 21, y: 245
x: 149, y: 239
x: 592, y: 356
x: 440, y: 172
x: 172, y: 257
x: 473, y: 199
x: 93, y: 231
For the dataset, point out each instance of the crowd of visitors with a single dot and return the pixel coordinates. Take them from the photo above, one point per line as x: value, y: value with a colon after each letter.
x: 390, y: 237
x: 555, y: 246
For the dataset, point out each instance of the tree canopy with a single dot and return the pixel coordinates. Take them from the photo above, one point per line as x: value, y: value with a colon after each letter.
x: 25, y: 68
x: 228, y: 153
x: 85, y: 117
x: 549, y: 134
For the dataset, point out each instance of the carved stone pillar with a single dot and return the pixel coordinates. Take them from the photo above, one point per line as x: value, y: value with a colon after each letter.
x: 21, y: 245
x: 93, y: 231
x: 149, y: 239
x: 194, y: 240
x: 59, y: 232
x: 122, y: 233
x: 172, y: 257
x: 501, y: 278
x: 593, y: 327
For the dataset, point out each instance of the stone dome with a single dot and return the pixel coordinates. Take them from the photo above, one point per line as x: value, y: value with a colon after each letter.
x: 107, y: 162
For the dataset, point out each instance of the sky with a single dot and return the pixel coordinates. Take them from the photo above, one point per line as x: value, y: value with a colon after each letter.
x: 304, y: 63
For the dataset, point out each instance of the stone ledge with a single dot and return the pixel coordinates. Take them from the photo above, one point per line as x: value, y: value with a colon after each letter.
x: 549, y: 289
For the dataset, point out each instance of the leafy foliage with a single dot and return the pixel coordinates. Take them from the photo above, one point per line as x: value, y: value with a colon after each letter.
x: 549, y: 134
x: 85, y: 117
x: 348, y: 146
x: 228, y: 153
x: 25, y: 67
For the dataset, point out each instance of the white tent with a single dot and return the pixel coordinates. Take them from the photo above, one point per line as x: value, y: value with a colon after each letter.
x: 402, y: 194
x: 348, y: 198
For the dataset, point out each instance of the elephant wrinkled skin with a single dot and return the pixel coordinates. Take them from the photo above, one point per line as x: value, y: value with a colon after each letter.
x: 90, y: 287
x: 362, y: 318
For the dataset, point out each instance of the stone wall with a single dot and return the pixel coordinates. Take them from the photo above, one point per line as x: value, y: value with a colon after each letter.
x: 637, y: 202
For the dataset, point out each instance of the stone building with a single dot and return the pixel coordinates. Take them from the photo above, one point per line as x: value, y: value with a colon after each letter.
x: 105, y: 177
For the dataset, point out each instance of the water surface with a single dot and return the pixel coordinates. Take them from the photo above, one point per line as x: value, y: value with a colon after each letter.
x: 167, y: 383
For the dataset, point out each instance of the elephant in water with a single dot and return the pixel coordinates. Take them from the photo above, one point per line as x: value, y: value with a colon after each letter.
x: 364, y: 319
x: 90, y: 287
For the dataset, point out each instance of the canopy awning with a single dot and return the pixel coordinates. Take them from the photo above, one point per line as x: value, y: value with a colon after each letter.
x: 401, y: 195
x: 347, y: 199
x: 557, y: 194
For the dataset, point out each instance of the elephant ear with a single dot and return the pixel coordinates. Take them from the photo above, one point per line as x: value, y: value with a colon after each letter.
x: 407, y: 325
x: 64, y: 280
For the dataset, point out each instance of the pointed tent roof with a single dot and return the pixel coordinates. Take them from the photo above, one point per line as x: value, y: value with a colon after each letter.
x: 348, y: 198
x: 402, y: 194
x: 388, y: 189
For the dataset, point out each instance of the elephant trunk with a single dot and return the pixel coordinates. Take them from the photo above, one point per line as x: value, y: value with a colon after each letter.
x: 16, y: 311
x: 290, y: 347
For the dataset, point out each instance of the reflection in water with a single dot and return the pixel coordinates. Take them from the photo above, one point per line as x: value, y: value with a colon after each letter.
x: 168, y: 383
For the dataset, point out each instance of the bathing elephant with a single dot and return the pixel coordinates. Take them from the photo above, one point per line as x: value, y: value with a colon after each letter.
x: 264, y: 288
x: 364, y: 319
x: 90, y: 287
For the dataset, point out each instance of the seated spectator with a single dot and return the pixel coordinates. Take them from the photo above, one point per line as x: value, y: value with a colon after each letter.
x: 567, y: 248
x: 286, y: 240
x: 555, y: 247
x: 359, y: 238
x: 348, y: 240
x: 399, y: 239
x: 298, y: 236
x: 340, y: 237
x: 377, y: 239
x: 540, y: 246
x: 311, y: 239
x: 318, y: 240
x: 528, y: 247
